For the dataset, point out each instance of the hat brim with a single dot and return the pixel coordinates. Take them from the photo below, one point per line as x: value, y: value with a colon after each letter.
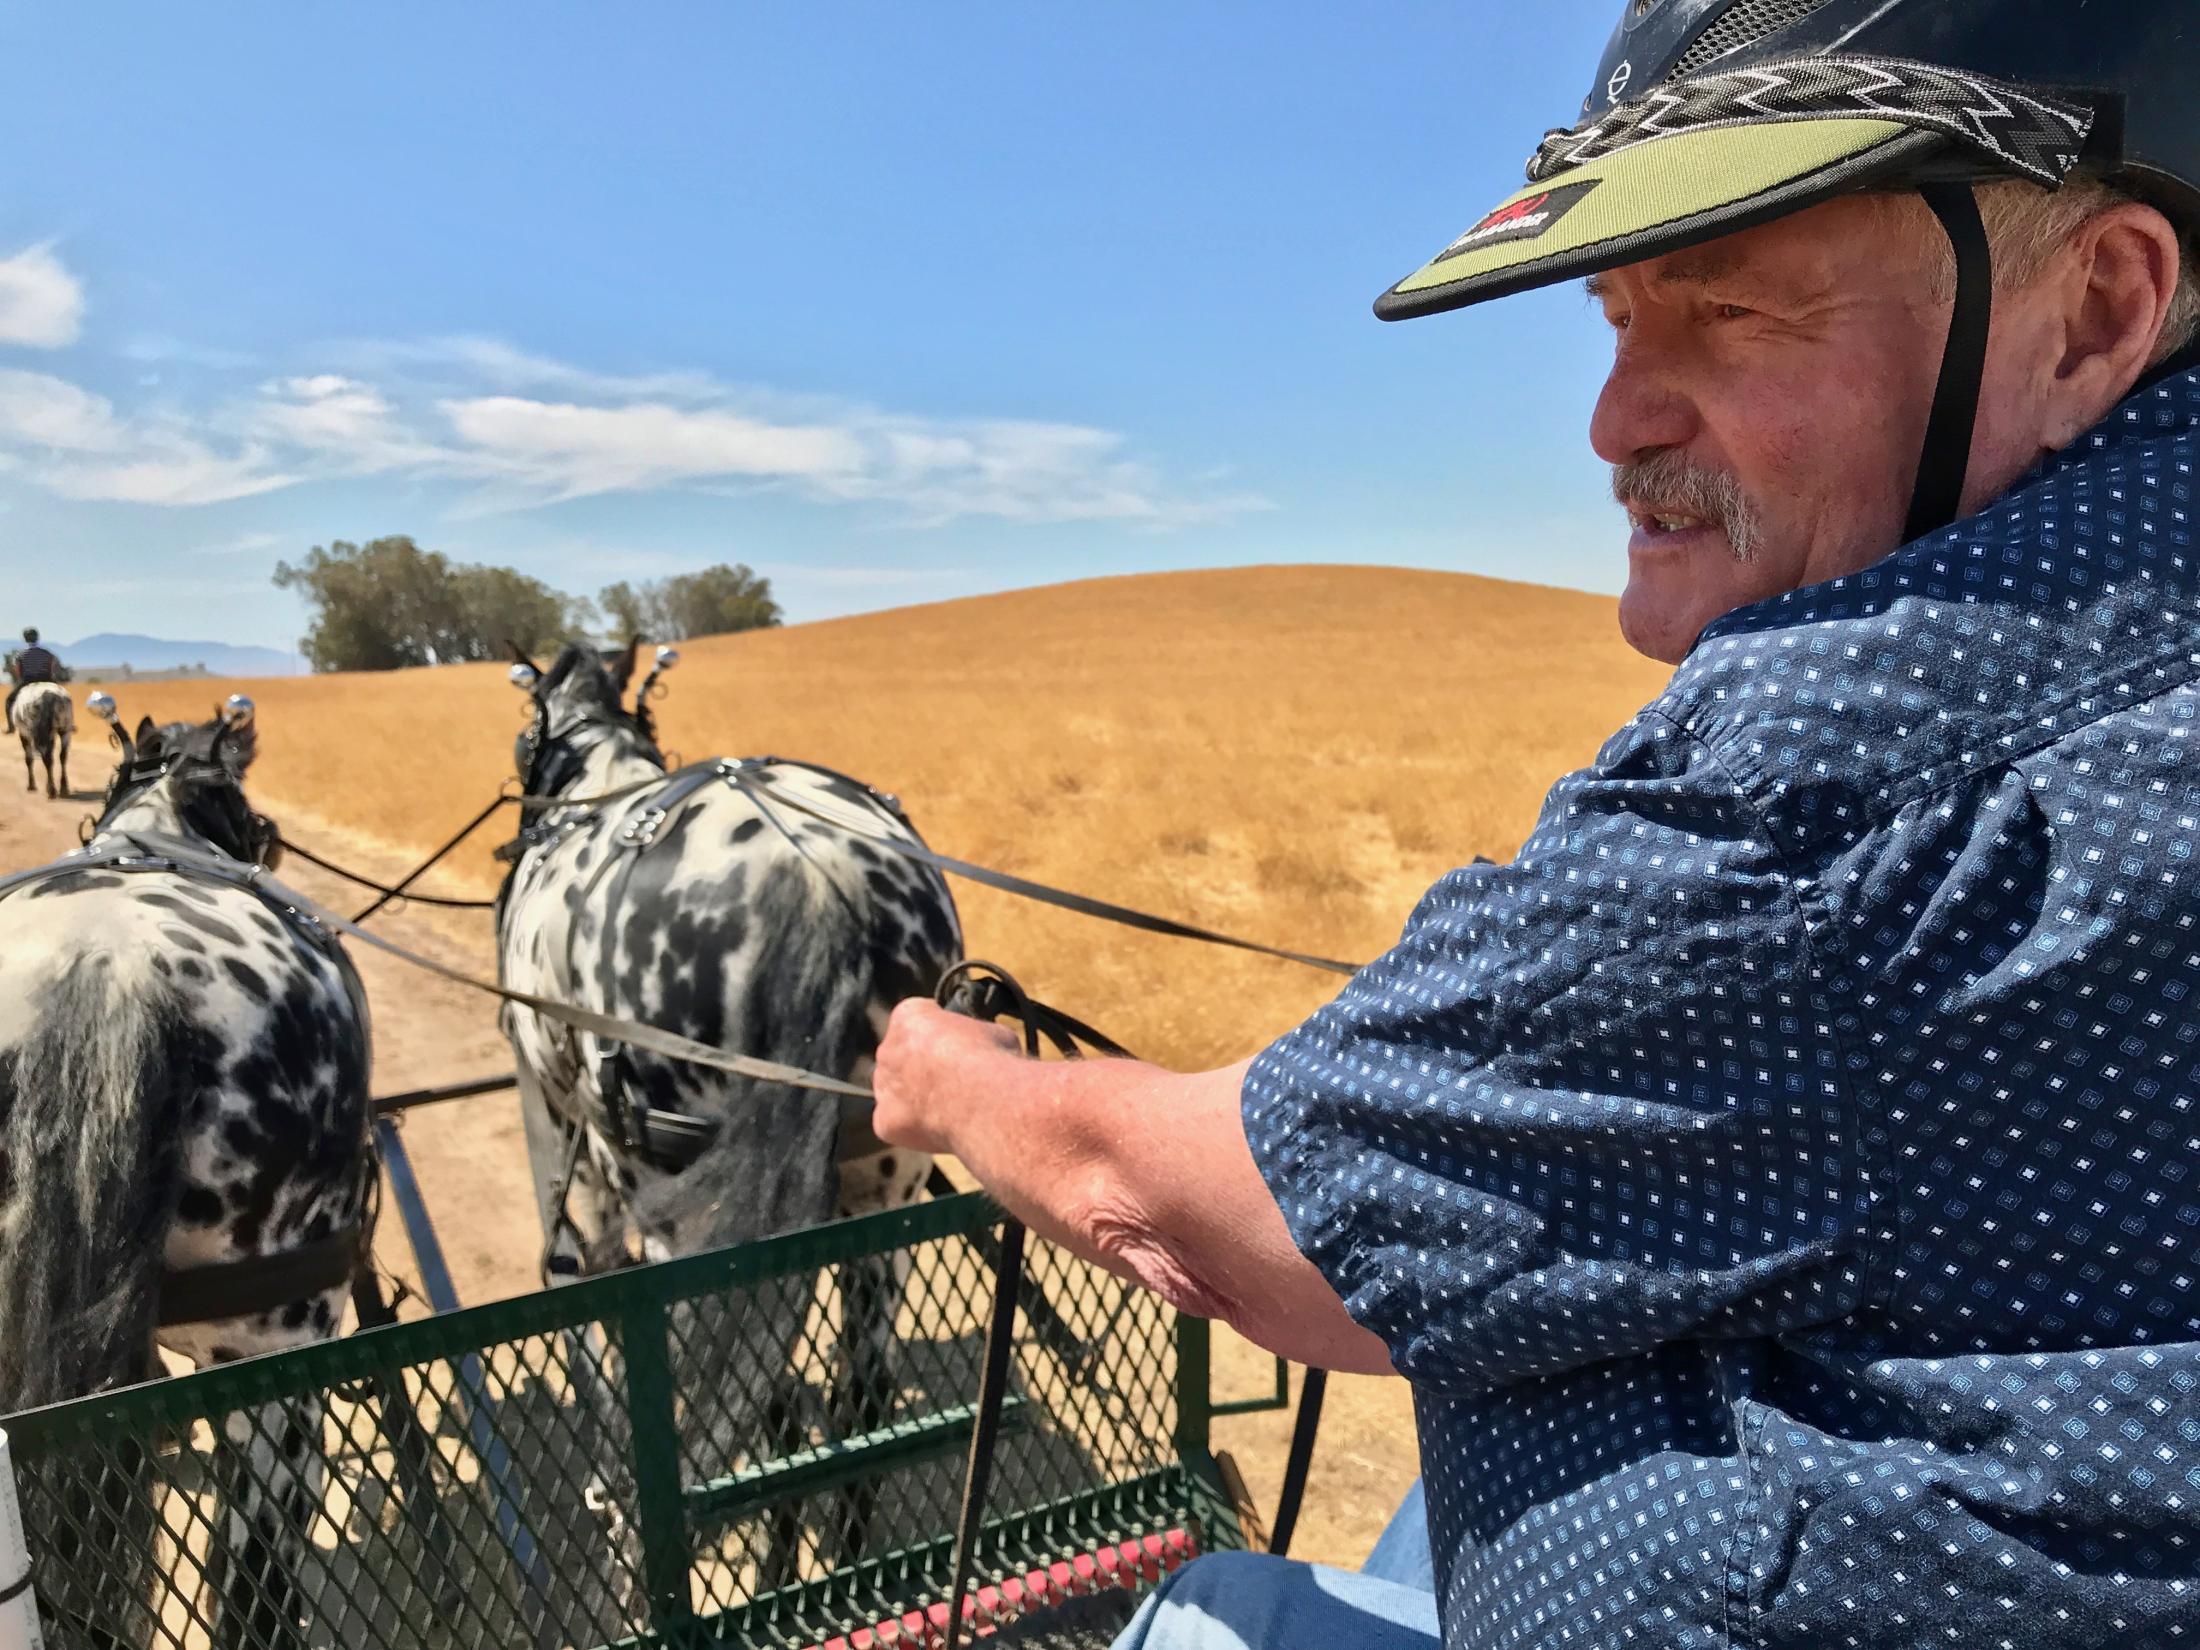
x: 1652, y: 198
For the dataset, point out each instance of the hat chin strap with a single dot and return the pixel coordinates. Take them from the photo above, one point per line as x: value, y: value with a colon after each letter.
x: 1945, y: 460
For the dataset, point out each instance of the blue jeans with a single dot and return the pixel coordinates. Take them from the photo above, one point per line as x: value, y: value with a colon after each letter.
x: 1401, y: 1553
x: 1249, y: 1601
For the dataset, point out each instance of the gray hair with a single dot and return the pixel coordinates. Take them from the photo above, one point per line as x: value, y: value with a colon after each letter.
x: 2027, y: 225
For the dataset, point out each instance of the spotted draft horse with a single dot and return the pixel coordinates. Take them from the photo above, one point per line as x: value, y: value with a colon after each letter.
x: 44, y: 719
x: 183, y: 1085
x: 682, y: 905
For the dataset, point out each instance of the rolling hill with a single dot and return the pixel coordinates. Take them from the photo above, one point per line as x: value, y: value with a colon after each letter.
x: 1290, y: 753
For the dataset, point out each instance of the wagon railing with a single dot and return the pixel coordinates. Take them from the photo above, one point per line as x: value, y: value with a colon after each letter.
x: 670, y: 1446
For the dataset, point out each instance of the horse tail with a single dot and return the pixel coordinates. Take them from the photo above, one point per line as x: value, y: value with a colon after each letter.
x: 91, y: 1113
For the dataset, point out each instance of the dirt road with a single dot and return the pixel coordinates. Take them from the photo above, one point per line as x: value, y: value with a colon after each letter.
x: 472, y: 1165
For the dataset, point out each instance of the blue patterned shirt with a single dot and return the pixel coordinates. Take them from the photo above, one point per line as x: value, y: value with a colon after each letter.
x: 1781, y: 1183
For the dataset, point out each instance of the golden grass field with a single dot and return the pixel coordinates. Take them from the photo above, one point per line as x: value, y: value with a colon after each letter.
x: 1291, y: 754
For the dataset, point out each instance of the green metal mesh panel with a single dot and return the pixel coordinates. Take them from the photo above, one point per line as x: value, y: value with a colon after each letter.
x: 762, y: 1445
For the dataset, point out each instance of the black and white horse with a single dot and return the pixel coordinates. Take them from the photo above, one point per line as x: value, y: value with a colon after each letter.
x: 44, y: 719
x: 183, y: 1085
x: 682, y: 904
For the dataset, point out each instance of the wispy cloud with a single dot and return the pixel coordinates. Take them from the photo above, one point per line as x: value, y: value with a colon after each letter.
x: 508, y: 429
x: 74, y: 443
x: 244, y: 544
x: 41, y: 303
x: 566, y: 450
x: 187, y: 475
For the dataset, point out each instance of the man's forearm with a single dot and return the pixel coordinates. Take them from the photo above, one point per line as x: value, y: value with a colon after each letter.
x: 1064, y: 1145
x: 1147, y: 1172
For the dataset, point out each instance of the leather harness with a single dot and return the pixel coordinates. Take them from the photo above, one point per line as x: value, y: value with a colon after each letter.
x: 672, y: 1141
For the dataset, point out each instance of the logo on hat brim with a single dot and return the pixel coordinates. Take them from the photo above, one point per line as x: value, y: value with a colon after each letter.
x: 1521, y: 220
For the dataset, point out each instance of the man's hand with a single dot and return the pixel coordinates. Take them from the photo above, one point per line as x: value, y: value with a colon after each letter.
x: 931, y: 1061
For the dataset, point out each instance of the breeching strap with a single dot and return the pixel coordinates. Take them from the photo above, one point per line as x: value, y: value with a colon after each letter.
x: 260, y: 1283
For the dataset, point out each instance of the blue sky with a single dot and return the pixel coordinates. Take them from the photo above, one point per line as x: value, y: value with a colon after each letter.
x: 891, y: 302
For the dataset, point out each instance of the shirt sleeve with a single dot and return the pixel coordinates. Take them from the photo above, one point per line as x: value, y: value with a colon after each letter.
x: 1590, y: 1103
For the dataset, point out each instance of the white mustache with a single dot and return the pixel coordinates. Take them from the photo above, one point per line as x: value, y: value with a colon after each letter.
x: 1670, y: 483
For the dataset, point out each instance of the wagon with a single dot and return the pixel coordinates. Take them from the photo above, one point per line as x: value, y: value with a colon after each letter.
x: 557, y: 1469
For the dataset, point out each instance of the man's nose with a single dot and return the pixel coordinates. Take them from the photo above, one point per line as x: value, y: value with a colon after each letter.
x: 1642, y: 408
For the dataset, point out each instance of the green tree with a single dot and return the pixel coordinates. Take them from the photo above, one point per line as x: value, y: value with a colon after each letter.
x: 712, y: 602
x: 631, y: 612
x: 498, y: 604
x: 388, y: 604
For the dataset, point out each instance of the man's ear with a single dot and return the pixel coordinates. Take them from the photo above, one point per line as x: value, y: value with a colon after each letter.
x: 2118, y: 279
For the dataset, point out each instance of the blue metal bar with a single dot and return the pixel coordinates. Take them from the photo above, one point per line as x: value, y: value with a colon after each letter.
x: 488, y: 1444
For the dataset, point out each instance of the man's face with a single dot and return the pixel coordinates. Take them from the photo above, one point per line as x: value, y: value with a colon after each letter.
x: 1766, y: 406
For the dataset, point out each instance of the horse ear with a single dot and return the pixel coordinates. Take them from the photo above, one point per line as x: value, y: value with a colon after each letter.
x: 622, y: 671
x: 148, y: 735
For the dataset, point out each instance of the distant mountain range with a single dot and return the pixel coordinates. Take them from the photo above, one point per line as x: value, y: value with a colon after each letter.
x: 156, y: 653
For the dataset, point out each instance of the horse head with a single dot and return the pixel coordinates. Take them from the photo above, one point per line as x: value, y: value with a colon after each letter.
x: 189, y: 778
x: 578, y: 709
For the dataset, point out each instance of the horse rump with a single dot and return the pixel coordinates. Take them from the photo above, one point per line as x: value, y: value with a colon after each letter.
x: 89, y: 1115
x: 44, y: 718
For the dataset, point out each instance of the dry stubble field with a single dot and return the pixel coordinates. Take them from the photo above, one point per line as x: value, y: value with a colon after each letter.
x: 1292, y: 754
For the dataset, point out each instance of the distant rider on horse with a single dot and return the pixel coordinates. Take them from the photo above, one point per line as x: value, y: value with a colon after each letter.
x: 29, y: 663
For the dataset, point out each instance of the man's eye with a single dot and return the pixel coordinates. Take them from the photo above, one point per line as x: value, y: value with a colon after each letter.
x: 1734, y: 312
